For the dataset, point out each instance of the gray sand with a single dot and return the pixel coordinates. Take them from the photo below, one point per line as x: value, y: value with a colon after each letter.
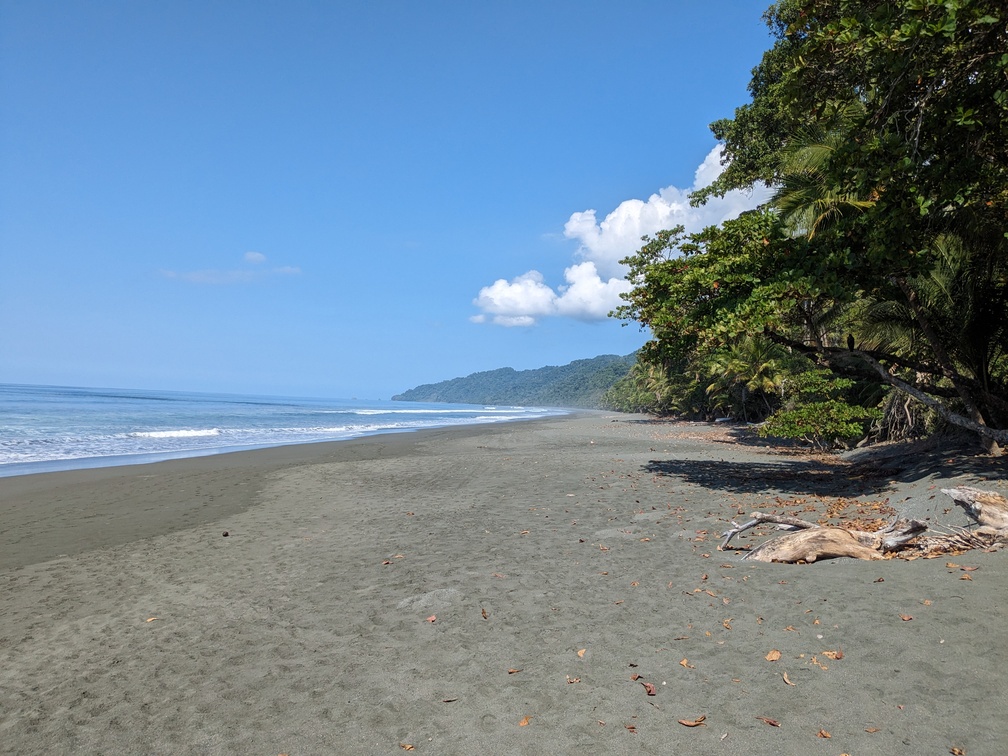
x: 438, y: 590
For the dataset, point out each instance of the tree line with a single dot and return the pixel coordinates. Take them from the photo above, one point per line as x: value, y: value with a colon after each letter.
x: 871, y: 292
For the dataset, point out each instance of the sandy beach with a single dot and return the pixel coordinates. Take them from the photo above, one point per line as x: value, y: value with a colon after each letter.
x: 513, y: 588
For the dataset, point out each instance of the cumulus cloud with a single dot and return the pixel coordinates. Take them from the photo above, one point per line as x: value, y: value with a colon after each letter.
x: 593, y: 285
x: 214, y: 276
x: 522, y: 300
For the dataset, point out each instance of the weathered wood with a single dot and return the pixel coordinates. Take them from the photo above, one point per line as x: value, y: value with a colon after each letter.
x: 986, y: 507
x: 785, y: 522
x: 813, y: 542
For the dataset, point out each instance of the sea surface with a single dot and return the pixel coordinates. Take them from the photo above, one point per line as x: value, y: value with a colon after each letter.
x: 44, y: 428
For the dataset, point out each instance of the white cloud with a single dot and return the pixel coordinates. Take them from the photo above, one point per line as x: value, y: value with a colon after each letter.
x: 522, y: 300
x: 256, y: 258
x: 593, y: 285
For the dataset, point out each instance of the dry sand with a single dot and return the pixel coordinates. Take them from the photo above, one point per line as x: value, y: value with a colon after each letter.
x: 489, y: 590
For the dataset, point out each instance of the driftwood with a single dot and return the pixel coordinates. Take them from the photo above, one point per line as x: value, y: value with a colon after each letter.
x: 987, y: 508
x: 809, y: 541
x: 814, y: 542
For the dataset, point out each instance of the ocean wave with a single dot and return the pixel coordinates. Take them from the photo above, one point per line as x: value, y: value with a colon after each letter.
x: 438, y: 411
x: 183, y: 433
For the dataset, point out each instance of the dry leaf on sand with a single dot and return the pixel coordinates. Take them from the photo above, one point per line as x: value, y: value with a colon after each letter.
x: 767, y: 720
x: 650, y: 688
x: 581, y: 653
x: 774, y: 655
x: 432, y: 619
x: 513, y: 671
x: 823, y: 734
x: 684, y: 662
x: 525, y: 721
x: 906, y: 617
x: 787, y: 680
x: 698, y: 722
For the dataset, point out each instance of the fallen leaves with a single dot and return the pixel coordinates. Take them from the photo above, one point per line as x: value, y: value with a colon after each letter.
x: 432, y: 619
x: 407, y: 746
x: 698, y: 722
x: 650, y: 688
x: 684, y: 662
x: 513, y: 671
x: 834, y: 655
x: 787, y: 680
x: 906, y: 617
x: 484, y: 612
x: 151, y: 619
x: 525, y: 721
x: 818, y: 663
x: 767, y: 720
x: 773, y: 656
x: 823, y: 734
x: 582, y: 652
x: 573, y: 680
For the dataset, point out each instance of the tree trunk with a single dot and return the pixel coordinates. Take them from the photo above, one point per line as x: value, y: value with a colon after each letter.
x: 988, y: 508
x: 814, y: 542
x: 945, y: 363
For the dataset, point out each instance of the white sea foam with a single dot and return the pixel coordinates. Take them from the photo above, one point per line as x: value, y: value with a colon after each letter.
x: 183, y: 433
x: 45, y: 427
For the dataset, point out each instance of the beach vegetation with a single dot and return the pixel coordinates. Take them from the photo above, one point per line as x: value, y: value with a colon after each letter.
x: 882, y: 257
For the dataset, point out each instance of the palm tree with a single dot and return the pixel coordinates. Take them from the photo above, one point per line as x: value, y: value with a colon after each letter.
x: 751, y: 368
x: 955, y: 311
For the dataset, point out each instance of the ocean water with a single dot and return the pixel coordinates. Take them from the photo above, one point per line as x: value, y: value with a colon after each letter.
x: 44, y: 428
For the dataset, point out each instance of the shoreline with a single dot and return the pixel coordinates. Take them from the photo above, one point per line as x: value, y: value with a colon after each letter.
x: 65, y: 508
x: 17, y: 469
x: 503, y: 588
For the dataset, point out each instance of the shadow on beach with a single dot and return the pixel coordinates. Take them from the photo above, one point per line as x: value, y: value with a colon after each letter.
x: 858, y: 472
x: 790, y: 476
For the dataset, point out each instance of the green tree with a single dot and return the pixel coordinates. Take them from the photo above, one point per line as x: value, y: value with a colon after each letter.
x: 747, y: 376
x: 885, y: 123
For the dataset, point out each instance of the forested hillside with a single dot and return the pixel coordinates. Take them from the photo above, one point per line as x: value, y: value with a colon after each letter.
x: 581, y: 383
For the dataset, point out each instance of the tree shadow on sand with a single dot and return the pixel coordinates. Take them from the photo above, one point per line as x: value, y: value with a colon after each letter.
x: 789, y: 476
x: 872, y: 470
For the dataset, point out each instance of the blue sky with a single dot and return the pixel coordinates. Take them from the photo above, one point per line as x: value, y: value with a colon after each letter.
x: 344, y: 198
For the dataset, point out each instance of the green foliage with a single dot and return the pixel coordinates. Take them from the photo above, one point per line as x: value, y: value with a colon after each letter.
x: 817, y: 412
x: 883, y: 124
x: 747, y: 376
x: 659, y: 390
x: 581, y: 383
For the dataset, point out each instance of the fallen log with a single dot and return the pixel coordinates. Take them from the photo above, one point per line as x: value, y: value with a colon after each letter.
x: 815, y: 542
x: 987, y: 508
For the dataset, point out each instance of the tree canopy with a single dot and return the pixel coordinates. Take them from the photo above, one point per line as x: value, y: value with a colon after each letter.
x: 883, y: 127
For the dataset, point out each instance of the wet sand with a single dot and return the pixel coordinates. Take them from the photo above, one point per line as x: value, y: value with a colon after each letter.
x: 497, y: 589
